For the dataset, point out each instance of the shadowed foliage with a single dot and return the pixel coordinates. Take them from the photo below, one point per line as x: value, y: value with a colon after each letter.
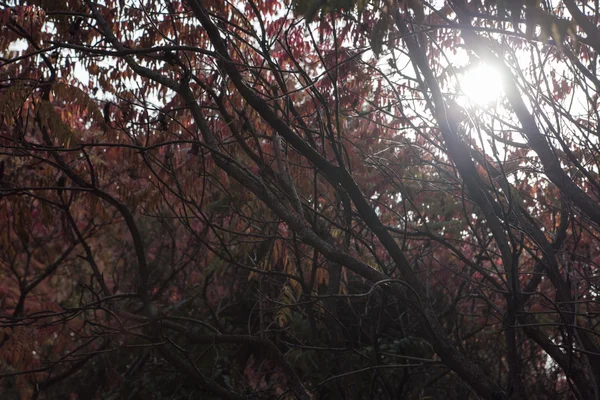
x: 295, y: 199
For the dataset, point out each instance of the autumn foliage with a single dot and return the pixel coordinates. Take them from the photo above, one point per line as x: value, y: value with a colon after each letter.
x: 295, y: 199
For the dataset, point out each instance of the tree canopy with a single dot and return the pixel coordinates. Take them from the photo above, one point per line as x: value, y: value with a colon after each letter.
x: 299, y: 199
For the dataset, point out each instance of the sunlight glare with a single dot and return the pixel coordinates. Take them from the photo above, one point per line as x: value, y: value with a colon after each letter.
x: 480, y: 85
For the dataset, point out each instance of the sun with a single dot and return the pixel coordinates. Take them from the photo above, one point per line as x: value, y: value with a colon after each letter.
x: 480, y: 85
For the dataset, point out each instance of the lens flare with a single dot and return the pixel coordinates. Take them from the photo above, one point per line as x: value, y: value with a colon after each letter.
x: 481, y: 84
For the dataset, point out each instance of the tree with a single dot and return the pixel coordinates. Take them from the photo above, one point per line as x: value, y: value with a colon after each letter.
x: 297, y: 200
